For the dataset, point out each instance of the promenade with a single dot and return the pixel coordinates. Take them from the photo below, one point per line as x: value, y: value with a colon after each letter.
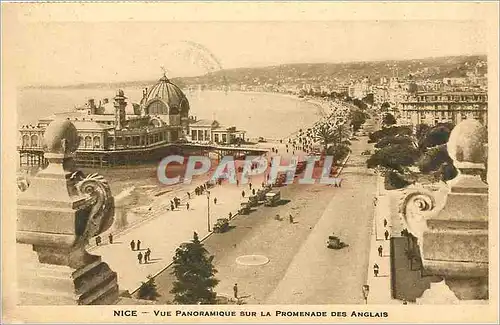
x: 165, y: 232
x: 162, y: 230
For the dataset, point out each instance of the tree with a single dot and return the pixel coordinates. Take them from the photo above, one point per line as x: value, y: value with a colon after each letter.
x: 437, y: 161
x: 394, y: 180
x: 388, y: 119
x: 393, y: 157
x: 148, y: 289
x: 338, y: 152
x: 369, y: 99
x: 391, y: 140
x: 436, y: 136
x: 358, y: 118
x: 325, y: 135
x: 390, y: 131
x: 420, y: 132
x: 194, y: 272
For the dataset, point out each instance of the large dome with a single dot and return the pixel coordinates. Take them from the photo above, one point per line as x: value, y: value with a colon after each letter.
x: 165, y: 98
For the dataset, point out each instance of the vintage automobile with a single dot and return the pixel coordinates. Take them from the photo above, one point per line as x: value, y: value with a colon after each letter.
x: 253, y: 200
x: 261, y: 194
x: 273, y: 198
x: 334, y: 242
x: 244, y: 207
x: 222, y: 225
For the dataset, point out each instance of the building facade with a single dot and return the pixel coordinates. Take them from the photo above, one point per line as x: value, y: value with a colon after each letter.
x: 444, y: 107
x: 212, y: 132
x: 119, y: 132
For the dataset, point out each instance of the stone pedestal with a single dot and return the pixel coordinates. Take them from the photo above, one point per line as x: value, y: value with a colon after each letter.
x: 49, y: 284
x: 452, y: 231
x: 57, y: 214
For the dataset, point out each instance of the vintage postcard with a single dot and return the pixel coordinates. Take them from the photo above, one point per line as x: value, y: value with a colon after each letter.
x: 257, y: 162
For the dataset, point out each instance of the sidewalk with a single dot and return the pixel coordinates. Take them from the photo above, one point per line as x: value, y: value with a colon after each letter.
x: 380, y: 286
x: 165, y: 232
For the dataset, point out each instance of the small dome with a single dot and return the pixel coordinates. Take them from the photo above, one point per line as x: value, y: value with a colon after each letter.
x: 467, y: 142
x: 61, y: 136
x: 166, y: 98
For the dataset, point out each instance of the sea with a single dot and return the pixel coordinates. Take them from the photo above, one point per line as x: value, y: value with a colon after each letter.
x: 267, y: 115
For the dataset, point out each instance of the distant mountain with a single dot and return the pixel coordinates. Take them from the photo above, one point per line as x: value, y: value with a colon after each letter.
x: 431, y: 68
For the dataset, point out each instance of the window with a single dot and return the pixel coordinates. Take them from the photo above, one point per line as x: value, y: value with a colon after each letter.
x: 34, y: 140
x: 157, y: 107
x: 224, y: 137
x: 216, y: 137
x: 97, y: 142
x: 194, y: 134
x: 206, y: 135
x: 200, y: 135
x: 88, y: 142
x: 26, y: 140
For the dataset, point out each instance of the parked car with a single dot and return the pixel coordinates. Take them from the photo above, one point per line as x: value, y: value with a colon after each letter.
x: 272, y: 198
x: 222, y: 225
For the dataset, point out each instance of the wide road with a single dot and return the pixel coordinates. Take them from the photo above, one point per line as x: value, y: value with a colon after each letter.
x: 301, y: 270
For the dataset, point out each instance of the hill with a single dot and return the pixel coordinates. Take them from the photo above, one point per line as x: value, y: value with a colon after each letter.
x: 428, y: 68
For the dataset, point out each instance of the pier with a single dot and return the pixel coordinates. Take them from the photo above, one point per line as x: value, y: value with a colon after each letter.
x: 135, y: 156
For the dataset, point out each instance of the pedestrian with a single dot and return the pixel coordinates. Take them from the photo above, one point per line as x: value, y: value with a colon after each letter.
x: 253, y: 191
x: 250, y: 186
x: 380, y: 249
x: 138, y: 245
x: 172, y: 206
x: 290, y: 217
x: 187, y: 205
x: 98, y: 240
x: 230, y: 215
x: 132, y: 245
x: 189, y: 195
x: 385, y: 222
x: 110, y: 237
x: 237, y: 182
x: 139, y: 257
x: 243, y: 193
x: 215, y: 200
x: 147, y: 256
x: 375, y: 269
x: 386, y: 234
x: 235, y: 290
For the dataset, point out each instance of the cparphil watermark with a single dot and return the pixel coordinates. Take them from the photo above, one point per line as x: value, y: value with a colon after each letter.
x: 227, y: 169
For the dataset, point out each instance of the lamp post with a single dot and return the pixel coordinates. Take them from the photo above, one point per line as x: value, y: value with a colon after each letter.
x: 366, y: 291
x: 208, y: 211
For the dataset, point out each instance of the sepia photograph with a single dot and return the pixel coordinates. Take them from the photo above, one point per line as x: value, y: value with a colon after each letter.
x: 249, y: 162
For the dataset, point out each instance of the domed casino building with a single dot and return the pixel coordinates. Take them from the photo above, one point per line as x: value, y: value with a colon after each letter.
x: 118, y: 132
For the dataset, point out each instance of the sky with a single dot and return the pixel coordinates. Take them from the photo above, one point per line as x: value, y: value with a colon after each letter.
x: 60, y: 52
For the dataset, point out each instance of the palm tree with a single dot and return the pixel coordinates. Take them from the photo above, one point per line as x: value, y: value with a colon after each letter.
x: 325, y: 135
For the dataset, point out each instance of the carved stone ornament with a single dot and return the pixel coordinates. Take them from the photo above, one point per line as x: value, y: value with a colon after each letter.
x: 58, y: 213
x: 452, y: 225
